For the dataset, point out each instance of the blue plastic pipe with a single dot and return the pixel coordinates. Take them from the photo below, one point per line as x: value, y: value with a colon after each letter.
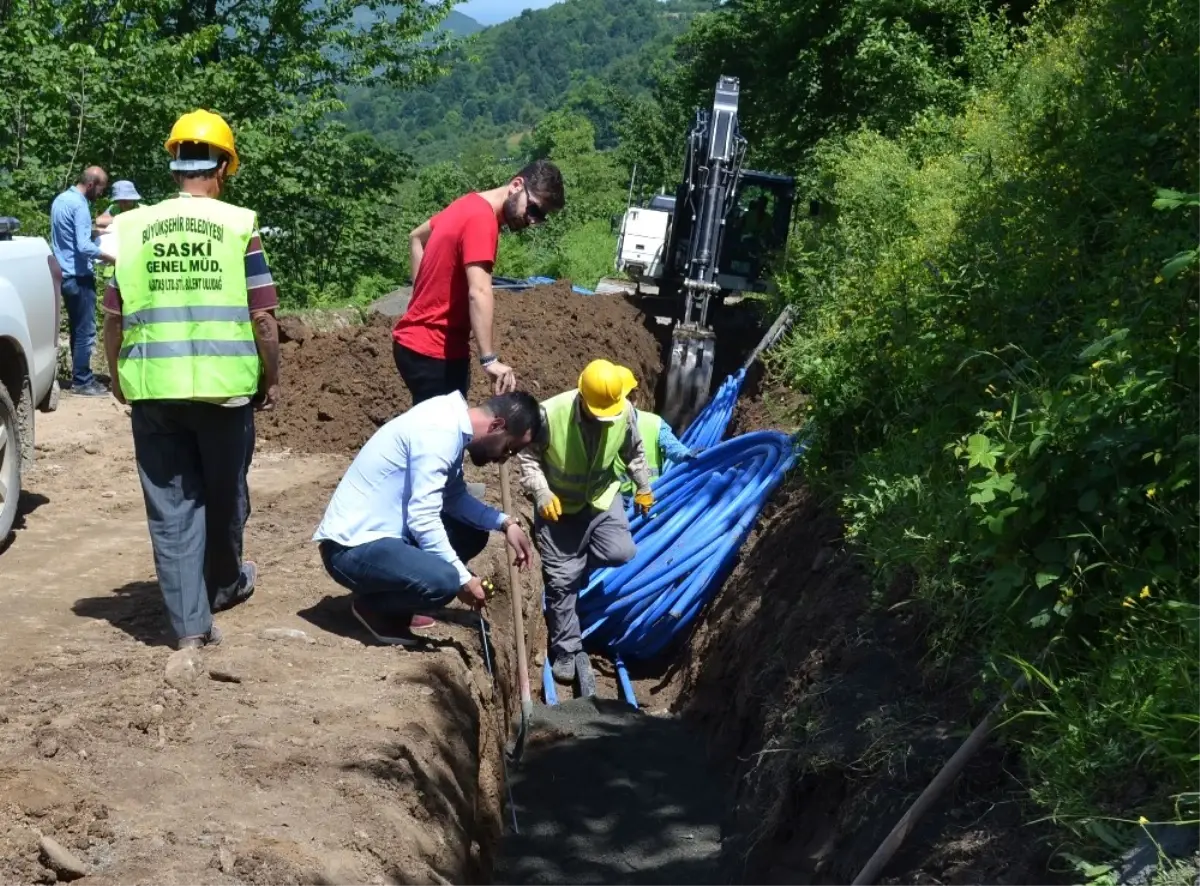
x: 704, y: 510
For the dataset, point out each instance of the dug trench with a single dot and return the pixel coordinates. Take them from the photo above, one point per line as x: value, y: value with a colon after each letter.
x: 778, y: 743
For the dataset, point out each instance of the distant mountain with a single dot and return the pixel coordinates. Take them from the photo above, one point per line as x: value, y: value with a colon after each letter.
x: 457, y: 23
x: 509, y: 75
x: 460, y: 24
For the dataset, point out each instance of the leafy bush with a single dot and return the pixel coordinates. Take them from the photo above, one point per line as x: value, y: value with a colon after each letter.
x: 999, y: 333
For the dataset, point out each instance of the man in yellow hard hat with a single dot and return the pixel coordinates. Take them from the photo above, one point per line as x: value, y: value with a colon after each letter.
x: 570, y: 472
x: 193, y: 346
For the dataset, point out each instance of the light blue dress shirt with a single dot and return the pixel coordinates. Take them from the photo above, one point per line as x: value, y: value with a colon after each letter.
x: 408, y: 473
x: 71, y: 234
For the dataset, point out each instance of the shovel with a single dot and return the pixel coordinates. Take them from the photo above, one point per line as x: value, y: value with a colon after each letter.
x: 518, y: 616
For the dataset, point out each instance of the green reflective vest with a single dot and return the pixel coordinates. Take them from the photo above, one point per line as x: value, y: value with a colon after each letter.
x: 577, y: 481
x: 185, y: 317
x: 649, y: 426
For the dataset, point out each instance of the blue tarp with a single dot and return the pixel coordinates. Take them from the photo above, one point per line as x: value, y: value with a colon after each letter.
x: 514, y: 284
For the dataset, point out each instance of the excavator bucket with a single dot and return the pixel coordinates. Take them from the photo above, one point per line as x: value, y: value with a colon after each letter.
x: 689, y: 375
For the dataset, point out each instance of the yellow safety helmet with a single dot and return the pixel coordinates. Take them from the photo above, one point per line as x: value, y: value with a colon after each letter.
x: 206, y: 128
x: 604, y: 385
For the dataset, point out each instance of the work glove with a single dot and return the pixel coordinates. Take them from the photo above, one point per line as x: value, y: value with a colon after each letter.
x: 643, y: 501
x: 692, y: 454
x: 551, y: 509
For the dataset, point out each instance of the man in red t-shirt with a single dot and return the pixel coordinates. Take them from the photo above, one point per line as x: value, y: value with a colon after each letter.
x: 452, y: 258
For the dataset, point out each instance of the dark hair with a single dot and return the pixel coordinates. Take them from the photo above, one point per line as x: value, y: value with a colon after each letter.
x: 520, y: 410
x: 545, y: 181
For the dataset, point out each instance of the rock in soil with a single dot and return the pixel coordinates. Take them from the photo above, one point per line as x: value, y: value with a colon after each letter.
x: 61, y: 861
x: 285, y: 634
x: 183, y: 667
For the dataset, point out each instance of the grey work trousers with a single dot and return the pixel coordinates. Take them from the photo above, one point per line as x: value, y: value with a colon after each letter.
x: 569, y: 549
x: 193, y: 459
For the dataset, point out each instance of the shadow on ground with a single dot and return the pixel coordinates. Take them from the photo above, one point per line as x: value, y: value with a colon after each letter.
x: 606, y: 794
x: 27, y: 503
x: 136, y: 608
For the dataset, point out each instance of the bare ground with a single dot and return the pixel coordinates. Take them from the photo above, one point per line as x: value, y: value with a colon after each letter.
x: 299, y: 759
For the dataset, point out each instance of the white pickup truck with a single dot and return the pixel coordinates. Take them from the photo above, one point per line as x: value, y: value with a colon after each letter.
x: 30, y: 294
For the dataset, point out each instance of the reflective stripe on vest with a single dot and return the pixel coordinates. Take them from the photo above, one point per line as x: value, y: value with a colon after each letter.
x: 187, y: 332
x: 576, y: 480
x: 649, y: 425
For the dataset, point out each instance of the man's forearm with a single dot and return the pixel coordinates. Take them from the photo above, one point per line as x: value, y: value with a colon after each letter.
x: 482, y: 312
x: 112, y: 344
x: 266, y: 339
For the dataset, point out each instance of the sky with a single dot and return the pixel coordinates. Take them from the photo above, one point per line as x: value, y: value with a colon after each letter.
x: 490, y: 12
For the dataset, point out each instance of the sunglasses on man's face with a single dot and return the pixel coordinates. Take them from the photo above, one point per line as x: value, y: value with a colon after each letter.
x: 534, y: 213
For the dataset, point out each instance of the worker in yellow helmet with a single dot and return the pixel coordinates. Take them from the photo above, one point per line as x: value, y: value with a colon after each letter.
x: 658, y: 440
x: 570, y: 472
x: 193, y: 346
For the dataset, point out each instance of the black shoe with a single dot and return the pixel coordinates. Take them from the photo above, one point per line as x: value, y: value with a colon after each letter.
x: 239, y: 593
x: 95, y: 389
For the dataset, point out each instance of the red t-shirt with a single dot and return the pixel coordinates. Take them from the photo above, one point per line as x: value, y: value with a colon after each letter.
x: 438, y: 320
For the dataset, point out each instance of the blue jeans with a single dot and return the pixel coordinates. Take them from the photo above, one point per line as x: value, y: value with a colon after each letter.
x: 398, y: 578
x: 79, y: 296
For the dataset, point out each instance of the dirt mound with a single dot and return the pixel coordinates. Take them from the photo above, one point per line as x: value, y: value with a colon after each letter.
x: 340, y: 386
x: 815, y: 695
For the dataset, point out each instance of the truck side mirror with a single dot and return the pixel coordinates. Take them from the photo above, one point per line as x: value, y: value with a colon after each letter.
x: 8, y: 227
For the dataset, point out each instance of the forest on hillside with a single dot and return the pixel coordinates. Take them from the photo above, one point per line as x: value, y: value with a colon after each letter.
x: 506, y: 78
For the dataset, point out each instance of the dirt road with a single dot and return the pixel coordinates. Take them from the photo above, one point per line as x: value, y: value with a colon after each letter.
x: 303, y: 757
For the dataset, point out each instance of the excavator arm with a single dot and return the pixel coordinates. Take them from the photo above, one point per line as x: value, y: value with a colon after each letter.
x: 715, y: 151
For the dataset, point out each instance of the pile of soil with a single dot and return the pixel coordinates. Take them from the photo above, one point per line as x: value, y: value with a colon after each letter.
x: 340, y: 386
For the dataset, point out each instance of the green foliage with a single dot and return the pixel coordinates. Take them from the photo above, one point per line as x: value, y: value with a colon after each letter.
x: 999, y: 333
x: 567, y: 56
x: 83, y: 82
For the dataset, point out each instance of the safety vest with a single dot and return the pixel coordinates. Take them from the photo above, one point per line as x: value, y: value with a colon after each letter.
x: 186, y: 324
x: 577, y: 481
x: 649, y: 426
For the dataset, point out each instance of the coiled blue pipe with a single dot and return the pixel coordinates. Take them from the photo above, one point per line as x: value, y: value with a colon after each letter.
x: 710, y: 425
x: 704, y: 510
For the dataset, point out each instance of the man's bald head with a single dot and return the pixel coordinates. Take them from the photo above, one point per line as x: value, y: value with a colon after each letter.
x: 93, y: 182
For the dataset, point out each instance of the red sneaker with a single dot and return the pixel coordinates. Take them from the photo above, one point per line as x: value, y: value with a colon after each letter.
x: 421, y: 623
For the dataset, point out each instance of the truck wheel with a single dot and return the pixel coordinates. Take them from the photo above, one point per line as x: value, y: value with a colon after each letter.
x: 10, y: 463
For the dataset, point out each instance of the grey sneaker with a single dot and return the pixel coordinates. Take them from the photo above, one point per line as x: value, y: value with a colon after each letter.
x: 563, y: 669
x: 587, y: 677
x: 95, y: 389
x: 212, y: 638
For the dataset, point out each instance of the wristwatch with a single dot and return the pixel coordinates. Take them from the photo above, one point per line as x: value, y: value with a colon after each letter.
x: 488, y: 359
x: 508, y: 522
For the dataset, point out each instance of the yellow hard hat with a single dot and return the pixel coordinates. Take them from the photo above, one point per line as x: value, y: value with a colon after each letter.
x: 206, y: 128
x: 604, y: 385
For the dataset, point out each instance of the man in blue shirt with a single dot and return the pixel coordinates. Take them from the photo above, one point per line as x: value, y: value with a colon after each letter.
x: 401, y: 525
x: 72, y: 241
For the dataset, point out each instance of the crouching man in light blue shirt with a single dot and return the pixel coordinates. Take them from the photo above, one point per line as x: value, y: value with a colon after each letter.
x: 401, y: 525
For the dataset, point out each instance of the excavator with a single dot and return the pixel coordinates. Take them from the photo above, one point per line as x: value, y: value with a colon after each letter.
x: 698, y: 252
